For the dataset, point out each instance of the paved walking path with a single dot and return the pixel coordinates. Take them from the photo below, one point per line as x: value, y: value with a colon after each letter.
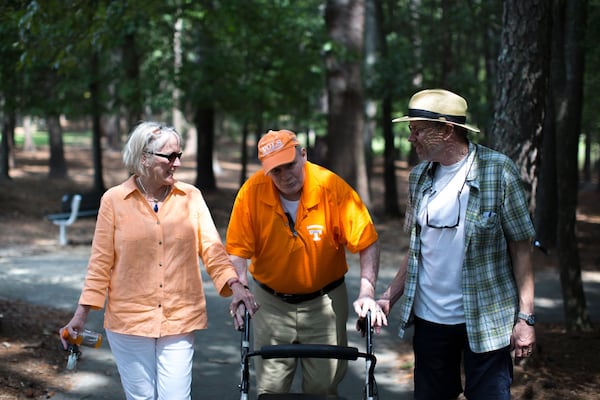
x: 55, y: 279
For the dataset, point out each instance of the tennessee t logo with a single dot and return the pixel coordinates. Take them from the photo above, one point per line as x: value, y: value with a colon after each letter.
x: 316, y: 231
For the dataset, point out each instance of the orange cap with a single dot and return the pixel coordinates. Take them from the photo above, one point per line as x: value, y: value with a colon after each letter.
x: 277, y: 148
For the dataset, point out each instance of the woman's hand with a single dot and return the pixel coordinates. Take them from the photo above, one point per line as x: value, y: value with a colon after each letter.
x: 75, y: 325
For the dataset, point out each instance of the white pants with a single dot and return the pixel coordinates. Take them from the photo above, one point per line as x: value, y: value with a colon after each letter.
x: 153, y: 369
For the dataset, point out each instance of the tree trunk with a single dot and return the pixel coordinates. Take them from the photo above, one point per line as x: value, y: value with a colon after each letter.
x: 391, y: 205
x: 413, y: 8
x: 244, y: 153
x: 28, y: 143
x: 204, y: 119
x: 372, y: 51
x: 446, y: 49
x: 587, y: 159
x: 492, y: 14
x: 9, y: 123
x: 521, y: 89
x: 96, y: 123
x: 8, y: 127
x: 58, y: 165
x: 345, y: 24
x: 569, y: 19
x: 545, y: 218
x: 134, y: 97
x: 178, y: 117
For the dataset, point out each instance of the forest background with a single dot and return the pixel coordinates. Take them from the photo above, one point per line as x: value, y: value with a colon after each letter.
x: 337, y: 72
x: 334, y: 71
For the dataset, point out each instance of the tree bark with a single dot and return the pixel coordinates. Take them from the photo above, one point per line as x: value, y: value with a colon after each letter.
x: 492, y: 14
x: 545, y: 218
x: 244, y: 154
x: 391, y: 205
x: 587, y: 158
x: 58, y: 165
x: 372, y: 52
x: 521, y: 89
x: 96, y: 112
x: 8, y: 128
x: 28, y: 143
x: 9, y: 123
x: 134, y: 97
x: 345, y: 24
x: 204, y: 119
x: 569, y: 19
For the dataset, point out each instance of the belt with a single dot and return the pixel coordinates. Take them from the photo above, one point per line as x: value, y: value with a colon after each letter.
x: 299, y: 298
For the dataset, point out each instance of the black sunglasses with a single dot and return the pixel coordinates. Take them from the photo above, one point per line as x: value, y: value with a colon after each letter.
x: 171, y: 157
x: 436, y: 226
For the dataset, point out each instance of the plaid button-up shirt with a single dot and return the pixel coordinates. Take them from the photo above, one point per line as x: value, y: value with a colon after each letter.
x: 497, y: 213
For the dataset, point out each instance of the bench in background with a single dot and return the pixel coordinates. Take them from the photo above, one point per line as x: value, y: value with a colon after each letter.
x: 73, y: 207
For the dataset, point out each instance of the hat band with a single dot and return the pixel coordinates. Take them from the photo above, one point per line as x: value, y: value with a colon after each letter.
x: 458, y: 119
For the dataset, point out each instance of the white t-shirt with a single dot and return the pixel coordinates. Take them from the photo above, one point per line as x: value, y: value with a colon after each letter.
x: 290, y: 207
x: 438, y: 297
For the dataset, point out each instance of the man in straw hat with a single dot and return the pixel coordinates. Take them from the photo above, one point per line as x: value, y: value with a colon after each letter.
x: 293, y: 220
x: 467, y: 277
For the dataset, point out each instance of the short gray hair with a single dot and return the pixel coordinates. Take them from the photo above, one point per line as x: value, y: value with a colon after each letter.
x: 146, y: 137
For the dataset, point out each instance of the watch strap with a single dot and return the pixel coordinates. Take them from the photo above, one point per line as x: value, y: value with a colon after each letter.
x: 528, y: 318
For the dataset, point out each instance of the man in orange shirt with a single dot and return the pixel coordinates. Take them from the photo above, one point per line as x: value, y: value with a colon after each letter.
x: 293, y: 220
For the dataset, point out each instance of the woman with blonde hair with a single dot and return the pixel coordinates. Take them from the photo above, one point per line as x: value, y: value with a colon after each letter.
x: 150, y: 232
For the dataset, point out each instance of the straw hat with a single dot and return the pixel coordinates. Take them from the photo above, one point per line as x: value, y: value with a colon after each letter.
x: 277, y: 148
x: 437, y: 105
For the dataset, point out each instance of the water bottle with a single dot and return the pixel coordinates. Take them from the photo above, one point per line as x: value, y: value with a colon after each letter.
x: 86, y: 338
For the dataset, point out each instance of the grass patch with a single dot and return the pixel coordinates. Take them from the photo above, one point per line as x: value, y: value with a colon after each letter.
x: 40, y: 139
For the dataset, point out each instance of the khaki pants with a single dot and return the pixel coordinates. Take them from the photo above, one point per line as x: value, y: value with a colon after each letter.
x: 318, y: 321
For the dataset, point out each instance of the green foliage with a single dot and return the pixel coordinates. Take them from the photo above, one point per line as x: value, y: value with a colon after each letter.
x: 443, y: 44
x: 591, y: 101
x: 141, y: 45
x: 11, y: 88
x: 53, y: 41
x: 436, y: 43
x: 255, y: 60
x: 58, y: 41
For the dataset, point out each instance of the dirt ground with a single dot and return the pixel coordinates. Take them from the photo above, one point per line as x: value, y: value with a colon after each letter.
x: 31, y: 366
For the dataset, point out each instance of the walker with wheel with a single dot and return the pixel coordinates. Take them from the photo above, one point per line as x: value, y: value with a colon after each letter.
x: 300, y: 350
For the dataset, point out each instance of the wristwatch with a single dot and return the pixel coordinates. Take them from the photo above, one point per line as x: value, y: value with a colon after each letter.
x: 528, y: 318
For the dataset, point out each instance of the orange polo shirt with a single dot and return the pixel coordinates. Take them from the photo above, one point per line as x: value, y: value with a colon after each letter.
x: 330, y: 218
x: 145, y: 265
